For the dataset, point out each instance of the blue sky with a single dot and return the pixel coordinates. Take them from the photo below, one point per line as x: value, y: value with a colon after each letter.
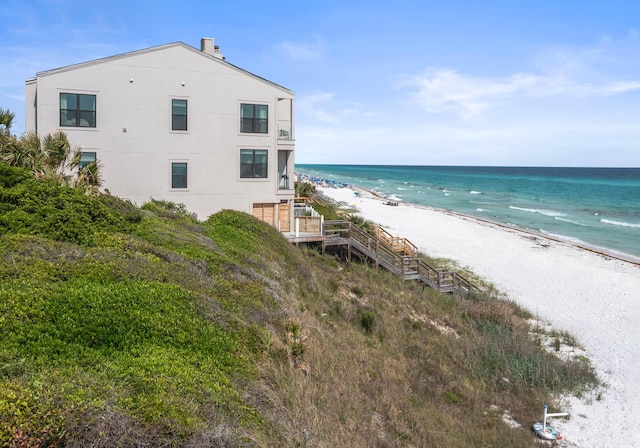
x: 528, y: 83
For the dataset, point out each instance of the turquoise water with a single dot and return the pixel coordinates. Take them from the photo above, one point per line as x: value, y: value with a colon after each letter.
x: 595, y: 207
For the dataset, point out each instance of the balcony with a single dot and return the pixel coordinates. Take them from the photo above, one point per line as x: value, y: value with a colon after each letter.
x: 285, y: 131
x: 283, y: 183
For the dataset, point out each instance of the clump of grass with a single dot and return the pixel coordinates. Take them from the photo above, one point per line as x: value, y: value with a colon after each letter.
x: 368, y: 321
x: 296, y: 339
x: 564, y: 337
x: 502, y: 350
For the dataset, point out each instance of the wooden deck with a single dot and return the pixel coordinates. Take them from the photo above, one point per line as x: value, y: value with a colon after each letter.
x: 397, y: 255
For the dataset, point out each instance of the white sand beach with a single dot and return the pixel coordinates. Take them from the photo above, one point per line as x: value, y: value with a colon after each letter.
x: 593, y: 296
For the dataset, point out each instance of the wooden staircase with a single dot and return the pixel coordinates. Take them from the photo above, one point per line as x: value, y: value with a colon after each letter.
x: 397, y: 255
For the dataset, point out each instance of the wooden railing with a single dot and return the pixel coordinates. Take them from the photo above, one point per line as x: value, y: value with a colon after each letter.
x: 400, y: 245
x: 304, y: 200
x: 408, y: 267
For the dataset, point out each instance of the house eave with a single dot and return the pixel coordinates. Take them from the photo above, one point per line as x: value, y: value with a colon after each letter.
x: 153, y: 49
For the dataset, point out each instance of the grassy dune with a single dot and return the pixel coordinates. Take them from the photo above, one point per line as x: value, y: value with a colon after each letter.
x: 125, y: 326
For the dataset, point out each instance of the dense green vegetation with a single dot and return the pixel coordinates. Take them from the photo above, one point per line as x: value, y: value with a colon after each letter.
x: 50, y: 157
x: 126, y: 326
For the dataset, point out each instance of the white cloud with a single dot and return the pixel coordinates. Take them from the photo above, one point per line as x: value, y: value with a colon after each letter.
x: 314, y: 107
x: 302, y: 51
x: 325, y: 108
x: 609, y: 67
x: 621, y: 87
x: 442, y: 90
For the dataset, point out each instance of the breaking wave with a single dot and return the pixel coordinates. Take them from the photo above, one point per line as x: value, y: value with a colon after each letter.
x: 536, y: 210
x: 570, y: 221
x: 566, y: 238
x: 620, y: 223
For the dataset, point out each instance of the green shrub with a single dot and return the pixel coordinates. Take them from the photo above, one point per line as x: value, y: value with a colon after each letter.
x: 124, y: 207
x: 35, y: 207
x: 166, y: 208
x: 11, y: 176
x: 239, y: 235
x: 148, y: 341
x: 305, y: 189
x: 368, y: 321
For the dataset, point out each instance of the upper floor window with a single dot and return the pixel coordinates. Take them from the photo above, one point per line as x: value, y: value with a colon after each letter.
x: 178, y: 175
x: 78, y: 110
x: 254, y: 118
x: 178, y: 115
x: 253, y: 163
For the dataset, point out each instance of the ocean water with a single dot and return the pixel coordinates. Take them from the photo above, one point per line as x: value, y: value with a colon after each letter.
x: 593, y: 207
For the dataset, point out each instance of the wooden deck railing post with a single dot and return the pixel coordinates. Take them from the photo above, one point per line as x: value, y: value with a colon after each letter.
x: 396, y: 254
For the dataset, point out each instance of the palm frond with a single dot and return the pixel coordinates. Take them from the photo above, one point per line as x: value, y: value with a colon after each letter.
x: 56, y: 148
x: 90, y: 177
x: 6, y: 120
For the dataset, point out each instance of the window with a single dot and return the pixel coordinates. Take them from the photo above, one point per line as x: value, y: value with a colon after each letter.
x: 253, y: 163
x: 179, y: 175
x: 86, y: 158
x: 178, y: 115
x: 77, y: 110
x: 254, y: 118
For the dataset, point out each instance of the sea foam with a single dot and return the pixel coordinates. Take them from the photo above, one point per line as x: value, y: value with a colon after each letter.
x: 536, y: 210
x: 568, y: 239
x: 570, y: 221
x: 620, y: 223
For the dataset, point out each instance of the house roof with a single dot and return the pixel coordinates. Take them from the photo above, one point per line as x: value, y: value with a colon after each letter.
x: 153, y: 49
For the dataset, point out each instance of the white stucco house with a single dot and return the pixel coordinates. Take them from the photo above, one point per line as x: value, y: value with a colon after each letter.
x: 176, y: 123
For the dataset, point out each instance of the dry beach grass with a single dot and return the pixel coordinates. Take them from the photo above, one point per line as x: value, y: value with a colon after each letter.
x: 592, y: 295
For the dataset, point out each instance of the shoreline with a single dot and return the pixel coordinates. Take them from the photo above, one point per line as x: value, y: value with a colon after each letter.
x: 596, y: 250
x: 592, y: 294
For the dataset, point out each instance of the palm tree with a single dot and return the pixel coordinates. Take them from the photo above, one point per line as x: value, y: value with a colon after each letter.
x: 6, y: 120
x: 7, y: 140
x: 54, y: 159
x: 50, y: 157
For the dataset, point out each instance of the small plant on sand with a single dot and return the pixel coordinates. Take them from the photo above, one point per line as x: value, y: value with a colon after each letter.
x: 296, y: 340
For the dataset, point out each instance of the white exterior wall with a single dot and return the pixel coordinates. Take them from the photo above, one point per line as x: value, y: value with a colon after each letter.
x: 133, y: 137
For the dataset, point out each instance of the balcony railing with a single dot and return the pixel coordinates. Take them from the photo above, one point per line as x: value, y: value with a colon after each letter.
x: 284, y: 130
x: 283, y: 183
